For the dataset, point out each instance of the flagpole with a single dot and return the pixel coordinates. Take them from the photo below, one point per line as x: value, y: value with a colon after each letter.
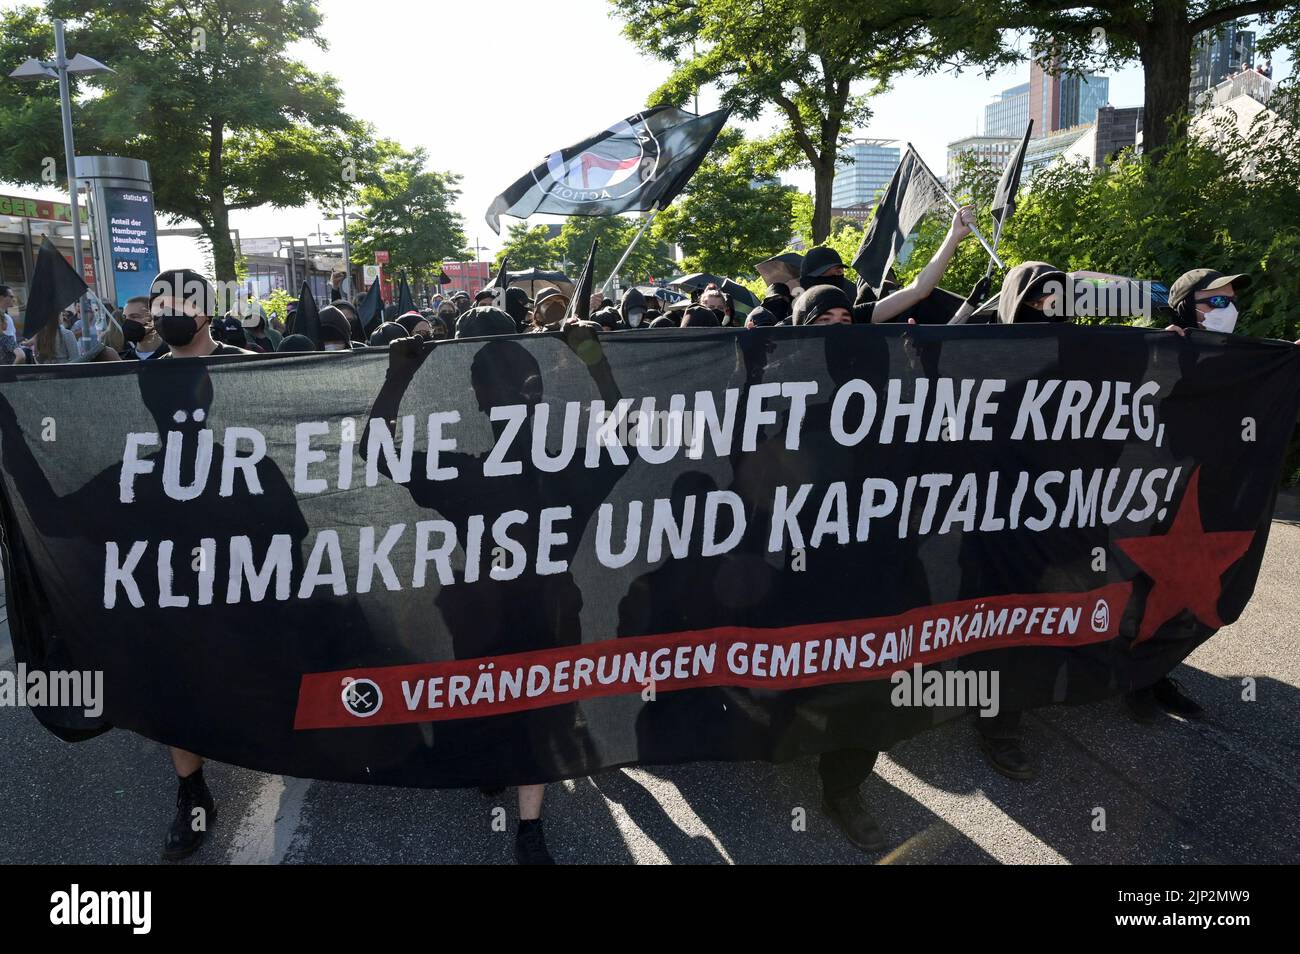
x: 997, y: 240
x: 953, y: 202
x: 636, y: 238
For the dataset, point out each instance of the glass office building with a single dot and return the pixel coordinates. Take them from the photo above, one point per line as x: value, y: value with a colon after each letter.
x: 866, y: 166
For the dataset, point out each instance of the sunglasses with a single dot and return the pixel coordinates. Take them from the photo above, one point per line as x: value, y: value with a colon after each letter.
x: 1218, y: 301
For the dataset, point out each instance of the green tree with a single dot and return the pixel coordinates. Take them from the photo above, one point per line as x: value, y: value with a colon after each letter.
x: 204, y: 90
x: 1159, y: 34
x: 406, y: 210
x: 733, y: 213
x: 650, y: 258
x: 800, y: 57
x: 527, y: 247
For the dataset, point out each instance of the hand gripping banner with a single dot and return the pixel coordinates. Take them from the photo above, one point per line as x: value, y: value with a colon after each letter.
x: 522, y: 559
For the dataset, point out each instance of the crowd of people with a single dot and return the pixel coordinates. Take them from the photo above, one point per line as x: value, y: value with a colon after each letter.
x: 166, y: 325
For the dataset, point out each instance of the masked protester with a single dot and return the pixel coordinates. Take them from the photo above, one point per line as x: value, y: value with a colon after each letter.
x: 230, y: 331
x: 632, y: 308
x: 356, y: 333
x: 386, y: 334
x: 517, y: 306
x: 257, y: 330
x: 823, y: 266
x: 416, y: 325
x: 142, y: 342
x: 549, y: 309
x: 823, y: 305
x: 335, y: 332
x: 182, y: 303
x: 439, y: 330
x: 778, y: 300
x: 1206, y: 300
x: 1027, y: 294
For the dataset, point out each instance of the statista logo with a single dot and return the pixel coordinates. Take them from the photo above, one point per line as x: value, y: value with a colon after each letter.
x: 94, y: 908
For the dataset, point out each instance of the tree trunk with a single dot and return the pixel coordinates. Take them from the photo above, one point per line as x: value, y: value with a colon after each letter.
x: 223, y: 249
x: 1166, y: 55
x: 823, y: 180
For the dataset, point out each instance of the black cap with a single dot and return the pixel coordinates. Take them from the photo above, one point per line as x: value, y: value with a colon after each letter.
x: 817, y: 301
x: 818, y: 262
x: 762, y: 318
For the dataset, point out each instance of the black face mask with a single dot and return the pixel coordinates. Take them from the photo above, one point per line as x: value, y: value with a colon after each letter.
x: 176, y: 330
x: 134, y: 332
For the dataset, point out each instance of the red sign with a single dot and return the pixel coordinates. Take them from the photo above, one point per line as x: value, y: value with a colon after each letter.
x: 381, y: 258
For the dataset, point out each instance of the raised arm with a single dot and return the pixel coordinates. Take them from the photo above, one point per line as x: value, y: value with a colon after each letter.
x: 891, y: 306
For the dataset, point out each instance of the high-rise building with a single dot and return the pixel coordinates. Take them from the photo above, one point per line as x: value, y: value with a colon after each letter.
x: 1009, y: 113
x: 1216, y: 55
x: 866, y: 166
x: 1062, y: 101
x: 991, y: 151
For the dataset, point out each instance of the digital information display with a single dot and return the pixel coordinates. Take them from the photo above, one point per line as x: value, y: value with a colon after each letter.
x: 133, y: 241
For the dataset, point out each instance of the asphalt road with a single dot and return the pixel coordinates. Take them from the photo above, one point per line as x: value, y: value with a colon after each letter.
x: 1222, y: 790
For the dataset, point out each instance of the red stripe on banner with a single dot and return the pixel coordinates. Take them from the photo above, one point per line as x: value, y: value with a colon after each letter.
x: 790, y: 657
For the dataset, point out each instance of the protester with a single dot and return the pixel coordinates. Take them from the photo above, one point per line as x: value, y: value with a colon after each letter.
x: 893, y: 305
x: 416, y: 324
x: 484, y: 321
x: 143, y: 342
x: 9, y: 330
x: 760, y: 317
x: 290, y: 344
x: 335, y: 332
x: 778, y: 300
x: 389, y: 332
x: 823, y: 305
x: 439, y: 330
x: 632, y: 308
x: 608, y: 319
x: 700, y: 316
x: 1205, y: 300
x: 260, y: 336
x: 549, y: 309
x: 230, y: 330
x: 1024, y: 295
x: 356, y: 332
x: 336, y: 286
x: 53, y: 344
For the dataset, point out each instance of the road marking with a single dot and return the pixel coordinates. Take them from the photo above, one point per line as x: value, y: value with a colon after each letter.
x: 269, y: 827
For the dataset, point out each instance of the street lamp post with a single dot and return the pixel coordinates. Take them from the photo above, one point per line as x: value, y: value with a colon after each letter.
x: 60, y: 68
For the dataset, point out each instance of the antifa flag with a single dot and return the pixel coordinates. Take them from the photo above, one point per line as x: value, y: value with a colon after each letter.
x: 55, y: 286
x: 638, y: 163
x: 580, y: 303
x: 1004, y: 200
x: 405, y: 302
x: 463, y: 566
x: 912, y: 192
x: 306, y: 320
x: 371, y: 309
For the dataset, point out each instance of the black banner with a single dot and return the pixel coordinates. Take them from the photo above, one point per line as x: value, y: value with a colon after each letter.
x: 522, y: 559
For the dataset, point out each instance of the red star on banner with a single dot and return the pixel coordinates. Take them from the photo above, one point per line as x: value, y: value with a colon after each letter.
x: 1186, y: 565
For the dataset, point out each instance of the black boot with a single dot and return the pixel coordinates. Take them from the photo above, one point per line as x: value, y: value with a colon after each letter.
x: 1008, y: 757
x: 196, y: 812
x: 530, y: 844
x: 1169, y: 696
x: 851, y: 816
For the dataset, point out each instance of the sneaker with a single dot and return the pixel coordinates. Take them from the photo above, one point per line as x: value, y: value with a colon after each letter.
x: 189, y: 828
x: 1008, y: 757
x: 1169, y: 695
x: 851, y: 816
x: 530, y: 844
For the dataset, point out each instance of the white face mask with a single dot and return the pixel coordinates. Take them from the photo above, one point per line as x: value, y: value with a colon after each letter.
x: 1222, y: 320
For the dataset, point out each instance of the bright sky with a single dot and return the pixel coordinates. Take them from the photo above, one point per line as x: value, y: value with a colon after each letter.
x: 493, y: 88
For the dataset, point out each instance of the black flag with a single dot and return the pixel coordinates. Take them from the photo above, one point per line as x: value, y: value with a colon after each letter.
x: 306, y: 320
x: 912, y: 192
x: 580, y: 305
x: 371, y: 312
x: 501, y: 283
x: 55, y: 286
x: 1004, y: 201
x: 405, y: 302
x: 638, y: 163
